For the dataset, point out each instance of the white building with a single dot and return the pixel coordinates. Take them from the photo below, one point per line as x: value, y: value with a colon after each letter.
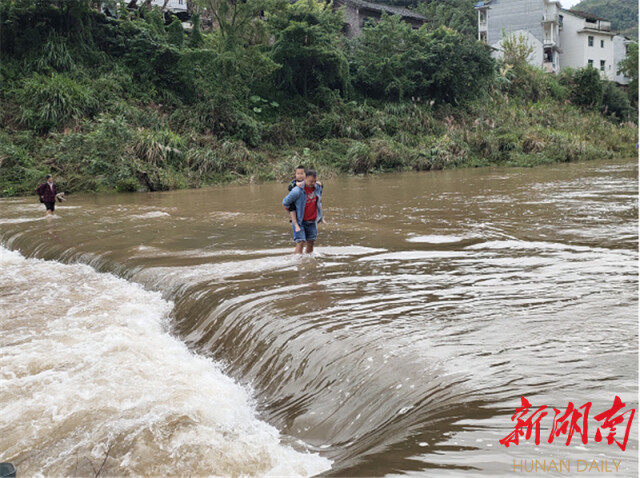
x: 587, y: 40
x: 560, y: 38
x: 620, y: 46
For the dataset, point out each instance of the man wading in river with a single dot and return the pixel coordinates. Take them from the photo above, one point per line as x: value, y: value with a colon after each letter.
x: 48, y: 193
x: 308, y: 201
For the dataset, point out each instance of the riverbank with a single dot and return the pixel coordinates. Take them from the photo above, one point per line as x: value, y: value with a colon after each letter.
x: 117, y: 152
x: 114, y: 105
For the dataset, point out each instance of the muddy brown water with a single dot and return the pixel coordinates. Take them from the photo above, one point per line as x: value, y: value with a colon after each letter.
x: 175, y: 333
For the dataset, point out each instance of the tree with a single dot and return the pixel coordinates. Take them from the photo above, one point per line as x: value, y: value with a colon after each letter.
x: 238, y: 21
x: 516, y: 50
x: 460, y: 67
x: 155, y: 19
x: 585, y: 86
x: 521, y: 79
x: 392, y: 60
x: 240, y: 41
x: 195, y: 40
x: 459, y: 15
x: 381, y: 58
x: 307, y: 46
x: 614, y: 102
x: 175, y: 33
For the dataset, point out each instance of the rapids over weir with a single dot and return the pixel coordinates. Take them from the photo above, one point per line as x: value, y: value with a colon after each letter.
x: 175, y: 334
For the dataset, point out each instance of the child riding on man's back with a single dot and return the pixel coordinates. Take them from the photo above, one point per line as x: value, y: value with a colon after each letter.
x: 296, y: 182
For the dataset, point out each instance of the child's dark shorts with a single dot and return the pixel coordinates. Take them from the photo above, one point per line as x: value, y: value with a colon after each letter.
x: 308, y: 231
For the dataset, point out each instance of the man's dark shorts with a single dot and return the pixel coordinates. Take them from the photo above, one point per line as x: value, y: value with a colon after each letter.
x: 308, y: 232
x: 50, y: 205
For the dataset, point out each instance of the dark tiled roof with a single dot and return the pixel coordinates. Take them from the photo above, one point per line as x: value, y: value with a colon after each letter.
x: 404, y: 12
x: 586, y: 15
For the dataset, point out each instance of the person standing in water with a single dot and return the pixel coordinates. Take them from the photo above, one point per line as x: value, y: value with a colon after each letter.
x: 308, y: 201
x: 48, y: 192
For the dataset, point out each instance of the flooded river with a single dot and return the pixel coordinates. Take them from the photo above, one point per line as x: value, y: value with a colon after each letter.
x: 175, y: 334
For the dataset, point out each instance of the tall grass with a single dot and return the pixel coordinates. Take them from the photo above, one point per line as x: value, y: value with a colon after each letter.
x: 54, y: 55
x: 48, y: 102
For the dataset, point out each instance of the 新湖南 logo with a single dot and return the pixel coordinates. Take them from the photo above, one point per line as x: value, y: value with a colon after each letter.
x: 613, y: 425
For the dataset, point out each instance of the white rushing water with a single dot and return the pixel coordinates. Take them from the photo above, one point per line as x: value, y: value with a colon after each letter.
x: 92, y: 381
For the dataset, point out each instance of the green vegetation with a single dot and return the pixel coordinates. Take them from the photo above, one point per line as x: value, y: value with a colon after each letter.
x: 137, y: 103
x: 390, y: 60
x: 458, y: 15
x: 623, y: 14
x: 307, y: 49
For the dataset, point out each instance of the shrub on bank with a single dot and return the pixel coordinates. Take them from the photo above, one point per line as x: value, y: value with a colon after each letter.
x: 615, y: 103
x: 20, y: 170
x: 48, y: 102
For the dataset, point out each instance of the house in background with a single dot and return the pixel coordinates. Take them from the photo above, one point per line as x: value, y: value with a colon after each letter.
x: 560, y: 38
x: 177, y: 7
x: 357, y: 12
x: 620, y: 48
x: 588, y: 42
x: 537, y: 21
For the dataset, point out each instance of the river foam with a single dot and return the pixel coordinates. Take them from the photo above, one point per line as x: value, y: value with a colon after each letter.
x: 92, y: 381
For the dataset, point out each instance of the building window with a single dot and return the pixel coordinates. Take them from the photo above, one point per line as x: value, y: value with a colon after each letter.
x: 601, y: 43
x: 591, y: 63
x: 590, y: 40
x: 483, y: 36
x: 602, y: 63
